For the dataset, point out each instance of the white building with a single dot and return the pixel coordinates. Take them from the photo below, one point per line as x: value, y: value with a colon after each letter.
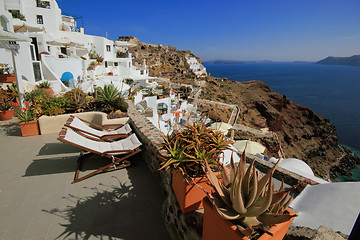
x: 59, y: 50
x: 195, y: 66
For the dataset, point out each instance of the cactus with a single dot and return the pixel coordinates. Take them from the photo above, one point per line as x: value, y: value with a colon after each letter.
x: 247, y: 201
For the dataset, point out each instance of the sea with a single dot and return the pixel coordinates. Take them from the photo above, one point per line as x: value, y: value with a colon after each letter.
x: 333, y: 91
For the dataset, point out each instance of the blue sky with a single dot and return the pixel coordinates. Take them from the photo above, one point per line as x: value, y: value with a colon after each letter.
x: 278, y: 30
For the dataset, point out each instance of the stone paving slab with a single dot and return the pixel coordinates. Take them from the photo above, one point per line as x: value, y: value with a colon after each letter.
x: 38, y: 201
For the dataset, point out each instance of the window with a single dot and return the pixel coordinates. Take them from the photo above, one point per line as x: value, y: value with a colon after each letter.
x: 63, y: 50
x: 116, y: 64
x: 48, y: 48
x: 3, y: 23
x: 32, y: 52
x: 106, y: 64
x: 108, y: 48
x: 39, y: 19
x: 37, y: 71
x: 16, y: 14
x: 43, y: 4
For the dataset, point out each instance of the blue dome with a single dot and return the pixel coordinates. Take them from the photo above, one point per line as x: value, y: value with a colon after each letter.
x: 66, y: 76
x: 68, y: 79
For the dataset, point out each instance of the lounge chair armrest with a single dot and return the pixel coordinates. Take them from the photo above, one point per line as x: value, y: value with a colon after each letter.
x: 113, y: 126
x: 116, y: 151
x: 94, y: 125
x: 108, y: 137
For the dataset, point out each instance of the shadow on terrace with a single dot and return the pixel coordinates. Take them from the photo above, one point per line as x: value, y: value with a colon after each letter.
x: 119, y: 210
x: 114, y: 211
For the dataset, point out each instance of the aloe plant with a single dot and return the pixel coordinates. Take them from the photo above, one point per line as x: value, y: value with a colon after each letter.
x: 190, y: 147
x: 251, y: 203
x: 108, y: 94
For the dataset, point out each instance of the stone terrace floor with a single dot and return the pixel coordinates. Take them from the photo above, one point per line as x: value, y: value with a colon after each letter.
x: 38, y: 201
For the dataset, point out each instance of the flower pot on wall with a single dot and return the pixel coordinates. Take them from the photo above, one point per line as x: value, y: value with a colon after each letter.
x: 189, y: 196
x: 29, y: 128
x: 215, y: 227
x: 6, y: 115
x: 7, y: 78
x: 49, y: 91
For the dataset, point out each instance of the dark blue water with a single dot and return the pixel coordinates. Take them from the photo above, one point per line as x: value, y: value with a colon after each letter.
x: 332, y: 91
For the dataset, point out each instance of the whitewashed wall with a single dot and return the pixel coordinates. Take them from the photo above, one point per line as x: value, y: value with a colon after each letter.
x: 61, y: 65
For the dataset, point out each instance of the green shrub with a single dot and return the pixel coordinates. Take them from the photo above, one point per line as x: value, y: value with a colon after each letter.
x: 53, y: 111
x: 37, y: 96
x: 121, y: 104
x: 7, y: 99
x: 55, y: 106
x: 76, y: 99
x: 44, y: 85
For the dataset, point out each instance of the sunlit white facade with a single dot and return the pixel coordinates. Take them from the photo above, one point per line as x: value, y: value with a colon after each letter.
x: 59, y: 48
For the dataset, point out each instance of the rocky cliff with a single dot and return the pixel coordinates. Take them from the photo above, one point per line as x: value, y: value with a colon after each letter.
x: 300, y: 132
x: 162, y: 61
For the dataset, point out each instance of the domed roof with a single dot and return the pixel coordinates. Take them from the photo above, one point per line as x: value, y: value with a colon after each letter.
x: 296, y: 165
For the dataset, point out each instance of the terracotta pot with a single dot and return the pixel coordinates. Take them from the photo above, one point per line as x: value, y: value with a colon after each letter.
x: 29, y: 128
x: 49, y: 91
x: 190, y: 196
x: 215, y: 227
x: 7, y: 78
x: 300, y: 188
x: 6, y: 115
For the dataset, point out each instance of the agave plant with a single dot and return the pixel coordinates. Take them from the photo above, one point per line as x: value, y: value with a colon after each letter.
x: 108, y: 94
x: 245, y: 200
x: 190, y: 147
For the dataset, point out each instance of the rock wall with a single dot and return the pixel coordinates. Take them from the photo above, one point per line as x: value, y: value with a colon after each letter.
x: 179, y: 226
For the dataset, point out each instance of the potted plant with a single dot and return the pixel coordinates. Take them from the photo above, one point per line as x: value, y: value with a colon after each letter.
x: 303, y: 183
x: 187, y: 151
x: 244, y: 205
x: 28, y: 120
x: 62, y: 27
x: 7, y: 102
x: 46, y: 86
x: 6, y: 74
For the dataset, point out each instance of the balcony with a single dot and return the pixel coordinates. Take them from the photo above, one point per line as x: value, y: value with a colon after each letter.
x: 122, y: 55
x: 43, y: 4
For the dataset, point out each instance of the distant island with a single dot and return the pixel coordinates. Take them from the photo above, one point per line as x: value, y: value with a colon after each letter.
x: 222, y: 61
x: 349, y: 61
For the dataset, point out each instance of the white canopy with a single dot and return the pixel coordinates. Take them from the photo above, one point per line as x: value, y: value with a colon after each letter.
x: 10, y: 36
x: 251, y: 147
x: 333, y: 205
x: 299, y: 167
x: 21, y: 26
x: 221, y: 126
x: 65, y: 42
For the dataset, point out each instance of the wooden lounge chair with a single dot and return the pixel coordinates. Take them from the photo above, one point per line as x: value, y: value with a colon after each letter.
x: 90, y: 130
x: 127, y: 147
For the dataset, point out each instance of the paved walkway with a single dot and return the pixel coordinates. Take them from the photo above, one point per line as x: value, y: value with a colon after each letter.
x: 38, y: 201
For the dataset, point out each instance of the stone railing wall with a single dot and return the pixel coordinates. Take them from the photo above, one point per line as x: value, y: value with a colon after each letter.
x: 179, y: 225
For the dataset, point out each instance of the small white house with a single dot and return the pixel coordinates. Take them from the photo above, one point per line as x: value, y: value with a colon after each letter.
x: 195, y: 66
